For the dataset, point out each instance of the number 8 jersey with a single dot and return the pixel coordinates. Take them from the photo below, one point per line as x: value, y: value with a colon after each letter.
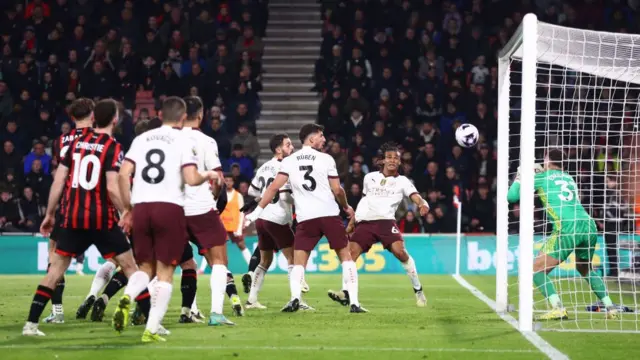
x: 159, y: 156
x: 279, y: 211
x: 309, y: 171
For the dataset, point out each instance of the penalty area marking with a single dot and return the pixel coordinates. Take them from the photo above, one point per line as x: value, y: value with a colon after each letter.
x: 535, y: 339
x: 274, y: 348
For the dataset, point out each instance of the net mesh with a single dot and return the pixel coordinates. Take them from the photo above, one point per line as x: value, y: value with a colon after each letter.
x: 586, y: 104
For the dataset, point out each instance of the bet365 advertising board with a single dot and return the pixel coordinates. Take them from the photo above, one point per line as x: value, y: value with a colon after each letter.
x: 434, y: 254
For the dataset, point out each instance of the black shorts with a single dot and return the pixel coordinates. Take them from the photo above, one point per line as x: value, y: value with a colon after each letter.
x: 187, y: 253
x: 55, y: 233
x: 110, y: 243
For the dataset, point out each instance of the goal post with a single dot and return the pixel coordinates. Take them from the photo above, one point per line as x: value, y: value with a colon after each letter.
x: 576, y: 90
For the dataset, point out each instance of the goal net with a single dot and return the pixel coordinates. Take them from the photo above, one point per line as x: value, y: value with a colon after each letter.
x: 574, y: 90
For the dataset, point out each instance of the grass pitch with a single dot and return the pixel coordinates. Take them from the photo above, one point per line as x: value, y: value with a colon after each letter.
x: 454, y: 325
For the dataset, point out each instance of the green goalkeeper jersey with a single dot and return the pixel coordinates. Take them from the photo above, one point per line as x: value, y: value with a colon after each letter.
x: 559, y: 194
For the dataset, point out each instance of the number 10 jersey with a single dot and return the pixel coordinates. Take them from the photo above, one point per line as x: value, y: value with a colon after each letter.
x: 278, y: 211
x: 309, y: 171
x: 159, y: 156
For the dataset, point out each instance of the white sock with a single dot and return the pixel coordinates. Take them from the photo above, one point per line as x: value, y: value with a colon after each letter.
x: 203, y: 265
x: 152, y: 284
x: 344, y: 284
x: 194, y: 306
x: 137, y: 283
x: 297, y: 274
x: 350, y: 277
x: 410, y: 268
x: 246, y: 255
x: 160, y: 298
x: 57, y: 309
x: 256, y: 284
x: 289, y: 268
x: 101, y: 278
x: 218, y: 283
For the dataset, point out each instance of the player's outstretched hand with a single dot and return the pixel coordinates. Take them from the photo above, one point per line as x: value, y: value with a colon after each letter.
x: 350, y: 227
x: 47, y: 225
x: 350, y: 212
x: 250, y: 218
x: 126, y: 222
x: 424, y: 209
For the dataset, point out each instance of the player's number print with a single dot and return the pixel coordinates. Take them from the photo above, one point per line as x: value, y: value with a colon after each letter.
x: 83, y: 176
x: 566, y: 191
x: 153, y: 173
x: 265, y: 184
x: 307, y: 177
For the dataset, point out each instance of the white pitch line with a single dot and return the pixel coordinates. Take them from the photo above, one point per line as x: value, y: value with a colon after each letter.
x: 535, y: 339
x: 274, y: 348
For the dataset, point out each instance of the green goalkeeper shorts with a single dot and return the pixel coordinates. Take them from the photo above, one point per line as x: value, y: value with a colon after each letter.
x: 580, y: 236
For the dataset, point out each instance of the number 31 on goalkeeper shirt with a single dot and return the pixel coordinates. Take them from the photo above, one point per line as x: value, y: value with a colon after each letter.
x: 372, y: 261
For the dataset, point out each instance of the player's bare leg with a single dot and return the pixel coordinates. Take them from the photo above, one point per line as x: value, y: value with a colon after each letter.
x: 400, y: 252
x: 101, y: 278
x: 342, y: 296
x: 217, y: 258
x: 266, y: 258
x: 543, y: 264
x: 44, y: 292
x: 188, y: 287
x: 57, y: 311
x: 138, y: 282
x: 598, y: 287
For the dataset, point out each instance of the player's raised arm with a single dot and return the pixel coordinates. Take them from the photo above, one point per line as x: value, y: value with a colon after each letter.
x: 421, y: 203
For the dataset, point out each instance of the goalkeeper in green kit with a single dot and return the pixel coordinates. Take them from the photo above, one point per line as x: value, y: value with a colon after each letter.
x: 573, y: 231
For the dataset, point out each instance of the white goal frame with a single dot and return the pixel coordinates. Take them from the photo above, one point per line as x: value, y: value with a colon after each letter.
x: 532, y: 44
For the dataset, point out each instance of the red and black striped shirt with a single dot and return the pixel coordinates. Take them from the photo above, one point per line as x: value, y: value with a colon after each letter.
x: 86, y: 201
x: 60, y: 145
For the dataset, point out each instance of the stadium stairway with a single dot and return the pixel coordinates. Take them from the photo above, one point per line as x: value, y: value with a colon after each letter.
x: 292, y: 46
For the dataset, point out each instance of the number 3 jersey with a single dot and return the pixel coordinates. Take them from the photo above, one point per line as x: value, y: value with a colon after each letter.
x: 559, y: 194
x: 309, y: 171
x: 86, y: 203
x: 159, y: 156
x: 199, y: 199
x: 278, y: 211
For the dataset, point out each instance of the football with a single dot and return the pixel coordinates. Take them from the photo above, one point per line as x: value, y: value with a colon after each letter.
x: 467, y: 135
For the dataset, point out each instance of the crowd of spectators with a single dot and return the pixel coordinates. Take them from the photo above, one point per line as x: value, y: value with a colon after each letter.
x: 54, y: 51
x: 412, y: 72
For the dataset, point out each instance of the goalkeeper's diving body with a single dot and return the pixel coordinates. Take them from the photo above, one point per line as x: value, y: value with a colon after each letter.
x: 573, y: 231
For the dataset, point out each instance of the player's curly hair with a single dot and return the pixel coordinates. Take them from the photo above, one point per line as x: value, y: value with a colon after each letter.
x: 389, y: 146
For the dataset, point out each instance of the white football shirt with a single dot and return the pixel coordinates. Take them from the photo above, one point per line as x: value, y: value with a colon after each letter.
x: 278, y: 211
x: 382, y: 196
x: 198, y: 199
x: 159, y: 156
x: 309, y: 171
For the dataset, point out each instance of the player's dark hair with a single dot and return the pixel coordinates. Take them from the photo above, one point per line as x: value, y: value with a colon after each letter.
x: 194, y: 106
x: 309, y: 129
x: 81, y: 108
x: 556, y: 156
x: 173, y: 108
x: 104, y: 113
x: 277, y: 140
x: 389, y: 146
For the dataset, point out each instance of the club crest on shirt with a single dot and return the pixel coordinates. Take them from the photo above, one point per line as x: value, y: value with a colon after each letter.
x: 383, y: 181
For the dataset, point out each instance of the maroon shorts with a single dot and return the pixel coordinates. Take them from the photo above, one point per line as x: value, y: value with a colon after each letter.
x: 235, y: 239
x: 309, y: 232
x: 368, y: 233
x: 160, y: 230
x: 272, y: 236
x: 206, y: 231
